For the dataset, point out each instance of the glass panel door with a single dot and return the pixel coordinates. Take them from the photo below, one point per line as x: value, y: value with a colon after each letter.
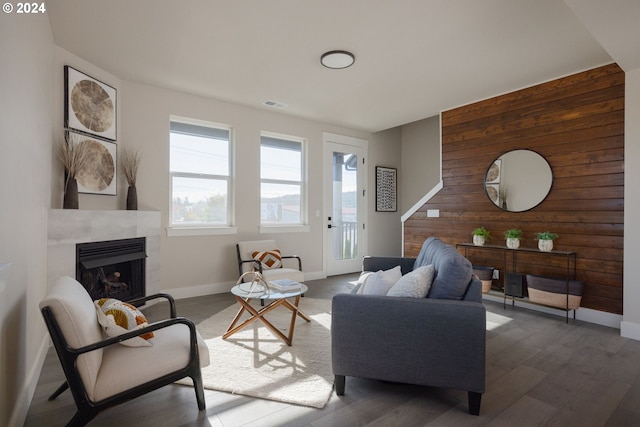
x: 345, y: 207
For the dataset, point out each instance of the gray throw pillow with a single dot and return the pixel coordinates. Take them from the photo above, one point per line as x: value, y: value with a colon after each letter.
x: 415, y: 284
x: 380, y: 282
x: 453, y: 271
x: 453, y: 274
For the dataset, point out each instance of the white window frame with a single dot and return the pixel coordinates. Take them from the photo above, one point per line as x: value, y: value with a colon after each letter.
x: 199, y: 229
x: 303, y: 226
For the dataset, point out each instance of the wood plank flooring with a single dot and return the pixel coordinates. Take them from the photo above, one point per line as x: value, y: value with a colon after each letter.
x: 540, y: 372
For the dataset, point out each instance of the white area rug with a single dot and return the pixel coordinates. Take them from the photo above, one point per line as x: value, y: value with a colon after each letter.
x: 254, y: 362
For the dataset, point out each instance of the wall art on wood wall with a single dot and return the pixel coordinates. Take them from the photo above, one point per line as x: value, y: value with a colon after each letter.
x: 386, y: 189
x: 98, y: 174
x: 89, y: 105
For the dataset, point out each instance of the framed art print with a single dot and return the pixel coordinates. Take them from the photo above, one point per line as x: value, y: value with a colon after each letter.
x: 494, y: 172
x: 98, y: 175
x: 493, y: 191
x: 89, y: 105
x: 386, y: 182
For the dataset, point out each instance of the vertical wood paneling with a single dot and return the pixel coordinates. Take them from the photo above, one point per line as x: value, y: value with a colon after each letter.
x: 577, y: 124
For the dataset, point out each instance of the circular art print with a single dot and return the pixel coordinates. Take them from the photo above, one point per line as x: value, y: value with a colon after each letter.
x: 99, y: 172
x: 90, y: 105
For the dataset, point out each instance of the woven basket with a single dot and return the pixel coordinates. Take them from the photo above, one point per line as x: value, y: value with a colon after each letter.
x: 486, y: 286
x: 485, y: 274
x: 553, y: 292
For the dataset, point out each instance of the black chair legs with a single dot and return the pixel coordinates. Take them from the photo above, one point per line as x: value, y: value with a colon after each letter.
x: 59, y: 390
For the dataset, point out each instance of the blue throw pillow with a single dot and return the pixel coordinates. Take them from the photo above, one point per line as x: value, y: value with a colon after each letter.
x: 453, y: 271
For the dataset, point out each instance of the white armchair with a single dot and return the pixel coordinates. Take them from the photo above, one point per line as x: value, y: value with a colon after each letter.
x: 102, y: 373
x: 247, y: 262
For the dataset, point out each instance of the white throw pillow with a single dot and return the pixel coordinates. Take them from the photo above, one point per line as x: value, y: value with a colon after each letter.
x: 415, y: 284
x: 380, y: 282
x: 364, y: 276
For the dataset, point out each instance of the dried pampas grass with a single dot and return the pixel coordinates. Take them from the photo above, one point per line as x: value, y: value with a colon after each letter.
x: 73, y: 154
x: 129, y: 162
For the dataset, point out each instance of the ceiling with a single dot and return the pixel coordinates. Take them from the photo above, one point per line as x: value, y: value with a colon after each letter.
x: 414, y: 58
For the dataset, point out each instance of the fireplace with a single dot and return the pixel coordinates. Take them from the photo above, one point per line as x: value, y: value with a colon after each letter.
x: 112, y: 269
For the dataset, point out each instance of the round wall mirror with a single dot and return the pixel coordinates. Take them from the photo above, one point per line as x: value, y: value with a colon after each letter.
x: 518, y: 180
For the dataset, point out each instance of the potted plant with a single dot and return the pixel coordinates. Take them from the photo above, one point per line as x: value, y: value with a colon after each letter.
x: 545, y: 240
x: 513, y: 236
x: 480, y: 235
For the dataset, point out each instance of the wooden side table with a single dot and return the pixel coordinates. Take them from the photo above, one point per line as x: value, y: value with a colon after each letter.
x: 243, y: 297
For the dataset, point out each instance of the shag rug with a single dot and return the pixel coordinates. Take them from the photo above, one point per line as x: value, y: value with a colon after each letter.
x: 254, y: 362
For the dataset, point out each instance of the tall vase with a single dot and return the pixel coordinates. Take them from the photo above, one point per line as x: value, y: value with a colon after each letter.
x: 132, y: 198
x: 70, y: 200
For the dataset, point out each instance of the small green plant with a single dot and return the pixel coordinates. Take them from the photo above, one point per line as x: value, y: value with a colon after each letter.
x: 546, y: 235
x: 513, y: 233
x: 481, y: 231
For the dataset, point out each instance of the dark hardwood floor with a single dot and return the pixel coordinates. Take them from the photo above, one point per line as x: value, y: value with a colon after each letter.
x: 540, y: 372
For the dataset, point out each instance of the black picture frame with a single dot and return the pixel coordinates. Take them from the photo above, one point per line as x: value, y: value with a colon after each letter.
x: 386, y: 189
x: 90, y: 106
x: 100, y: 173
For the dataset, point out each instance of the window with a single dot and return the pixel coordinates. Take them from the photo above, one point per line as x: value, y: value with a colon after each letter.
x: 282, y: 195
x: 200, y: 168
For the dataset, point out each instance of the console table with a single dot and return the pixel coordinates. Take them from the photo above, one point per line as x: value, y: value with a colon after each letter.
x: 570, y: 266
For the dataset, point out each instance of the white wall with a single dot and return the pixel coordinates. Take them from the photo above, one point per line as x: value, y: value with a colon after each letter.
x: 26, y: 133
x: 420, y: 160
x: 385, y: 228
x: 208, y: 263
x: 63, y: 57
x: 630, y: 326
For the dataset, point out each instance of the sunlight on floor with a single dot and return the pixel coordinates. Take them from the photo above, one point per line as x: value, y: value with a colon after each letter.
x: 494, y: 320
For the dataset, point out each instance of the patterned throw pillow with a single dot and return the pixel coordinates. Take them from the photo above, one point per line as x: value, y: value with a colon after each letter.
x: 117, y: 318
x: 268, y: 259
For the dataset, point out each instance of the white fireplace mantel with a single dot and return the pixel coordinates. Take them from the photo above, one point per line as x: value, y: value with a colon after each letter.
x: 68, y: 227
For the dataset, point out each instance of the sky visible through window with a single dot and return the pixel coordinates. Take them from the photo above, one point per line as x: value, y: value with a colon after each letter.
x: 194, y: 154
x: 198, y: 155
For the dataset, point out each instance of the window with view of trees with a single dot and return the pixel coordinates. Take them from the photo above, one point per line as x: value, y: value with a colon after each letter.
x: 200, y: 168
x: 281, y: 180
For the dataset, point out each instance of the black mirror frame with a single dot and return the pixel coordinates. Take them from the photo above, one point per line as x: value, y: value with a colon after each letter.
x: 485, y: 183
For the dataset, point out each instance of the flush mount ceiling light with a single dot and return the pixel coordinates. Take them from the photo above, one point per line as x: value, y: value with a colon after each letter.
x: 337, y: 59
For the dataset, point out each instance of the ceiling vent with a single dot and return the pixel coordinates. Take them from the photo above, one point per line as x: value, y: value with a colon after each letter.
x: 274, y: 104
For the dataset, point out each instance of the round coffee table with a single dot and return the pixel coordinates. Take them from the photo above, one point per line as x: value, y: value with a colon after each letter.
x: 277, y: 298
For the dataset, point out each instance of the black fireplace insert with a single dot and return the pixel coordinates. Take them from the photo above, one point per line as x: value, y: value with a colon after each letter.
x: 112, y: 269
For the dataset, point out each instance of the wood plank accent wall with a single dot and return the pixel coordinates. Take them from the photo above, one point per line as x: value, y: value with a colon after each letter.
x: 577, y: 124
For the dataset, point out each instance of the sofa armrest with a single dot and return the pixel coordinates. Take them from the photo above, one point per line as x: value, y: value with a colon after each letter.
x: 474, y: 291
x: 375, y: 263
x: 439, y: 343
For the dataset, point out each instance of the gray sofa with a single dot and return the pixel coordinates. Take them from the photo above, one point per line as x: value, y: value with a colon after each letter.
x: 436, y: 341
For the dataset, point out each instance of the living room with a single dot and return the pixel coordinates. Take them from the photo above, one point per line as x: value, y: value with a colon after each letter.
x: 32, y: 105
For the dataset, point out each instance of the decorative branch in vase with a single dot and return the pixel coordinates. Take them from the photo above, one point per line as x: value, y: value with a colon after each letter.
x: 130, y: 162
x: 73, y: 155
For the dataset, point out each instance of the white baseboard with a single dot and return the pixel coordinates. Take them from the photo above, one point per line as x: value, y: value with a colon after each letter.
x: 315, y: 275
x: 585, y: 314
x: 630, y: 330
x: 20, y: 411
x: 220, y: 288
